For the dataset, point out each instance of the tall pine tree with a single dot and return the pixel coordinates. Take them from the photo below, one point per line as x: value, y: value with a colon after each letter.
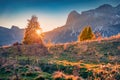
x: 86, y: 34
x: 31, y: 36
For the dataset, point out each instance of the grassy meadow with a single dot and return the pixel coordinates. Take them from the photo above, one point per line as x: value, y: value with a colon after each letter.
x: 88, y: 60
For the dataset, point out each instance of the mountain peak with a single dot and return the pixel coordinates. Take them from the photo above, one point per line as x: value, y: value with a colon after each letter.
x: 104, y: 6
x: 14, y: 27
x: 118, y: 6
x: 73, y: 15
x: 73, y: 12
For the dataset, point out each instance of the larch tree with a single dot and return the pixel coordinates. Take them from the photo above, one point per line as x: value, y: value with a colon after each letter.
x: 86, y: 34
x: 33, y: 32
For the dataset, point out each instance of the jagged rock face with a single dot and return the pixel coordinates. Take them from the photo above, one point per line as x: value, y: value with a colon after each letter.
x: 105, y: 19
x: 72, y: 17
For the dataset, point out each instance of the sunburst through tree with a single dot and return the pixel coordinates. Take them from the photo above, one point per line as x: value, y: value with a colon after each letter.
x: 33, y: 32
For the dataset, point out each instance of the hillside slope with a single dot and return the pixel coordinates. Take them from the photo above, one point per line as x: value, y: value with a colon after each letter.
x: 84, y: 60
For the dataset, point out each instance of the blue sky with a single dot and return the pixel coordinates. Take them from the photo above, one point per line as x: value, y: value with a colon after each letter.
x: 51, y: 13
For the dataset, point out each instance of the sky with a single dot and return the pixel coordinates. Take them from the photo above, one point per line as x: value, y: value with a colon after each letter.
x: 51, y: 13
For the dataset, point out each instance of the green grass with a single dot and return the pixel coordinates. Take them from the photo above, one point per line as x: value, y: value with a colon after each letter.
x: 91, y: 56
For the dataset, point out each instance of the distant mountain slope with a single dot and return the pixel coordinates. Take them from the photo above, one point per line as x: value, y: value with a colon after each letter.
x: 105, y: 19
x: 9, y: 36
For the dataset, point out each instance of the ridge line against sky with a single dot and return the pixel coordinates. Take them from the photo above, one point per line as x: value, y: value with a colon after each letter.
x: 51, y: 13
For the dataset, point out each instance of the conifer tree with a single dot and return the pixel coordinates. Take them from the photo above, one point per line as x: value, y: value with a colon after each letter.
x: 31, y: 36
x: 86, y: 34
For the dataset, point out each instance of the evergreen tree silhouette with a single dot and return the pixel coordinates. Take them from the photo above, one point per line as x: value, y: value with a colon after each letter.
x: 31, y: 35
x: 86, y: 34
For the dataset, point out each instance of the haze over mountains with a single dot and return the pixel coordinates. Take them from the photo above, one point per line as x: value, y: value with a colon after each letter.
x: 104, y: 19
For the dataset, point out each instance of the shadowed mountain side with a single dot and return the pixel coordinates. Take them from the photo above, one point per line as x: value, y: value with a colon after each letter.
x: 9, y: 36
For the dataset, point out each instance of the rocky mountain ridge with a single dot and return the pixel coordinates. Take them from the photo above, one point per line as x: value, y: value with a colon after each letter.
x: 104, y: 19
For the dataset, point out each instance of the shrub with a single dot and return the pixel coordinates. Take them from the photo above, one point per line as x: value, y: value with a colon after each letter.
x: 31, y: 74
x: 86, y: 34
x: 117, y: 76
x: 59, y: 79
x: 39, y: 78
x: 84, y: 73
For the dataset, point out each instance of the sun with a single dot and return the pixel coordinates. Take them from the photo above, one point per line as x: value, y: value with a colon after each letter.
x: 38, y: 31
